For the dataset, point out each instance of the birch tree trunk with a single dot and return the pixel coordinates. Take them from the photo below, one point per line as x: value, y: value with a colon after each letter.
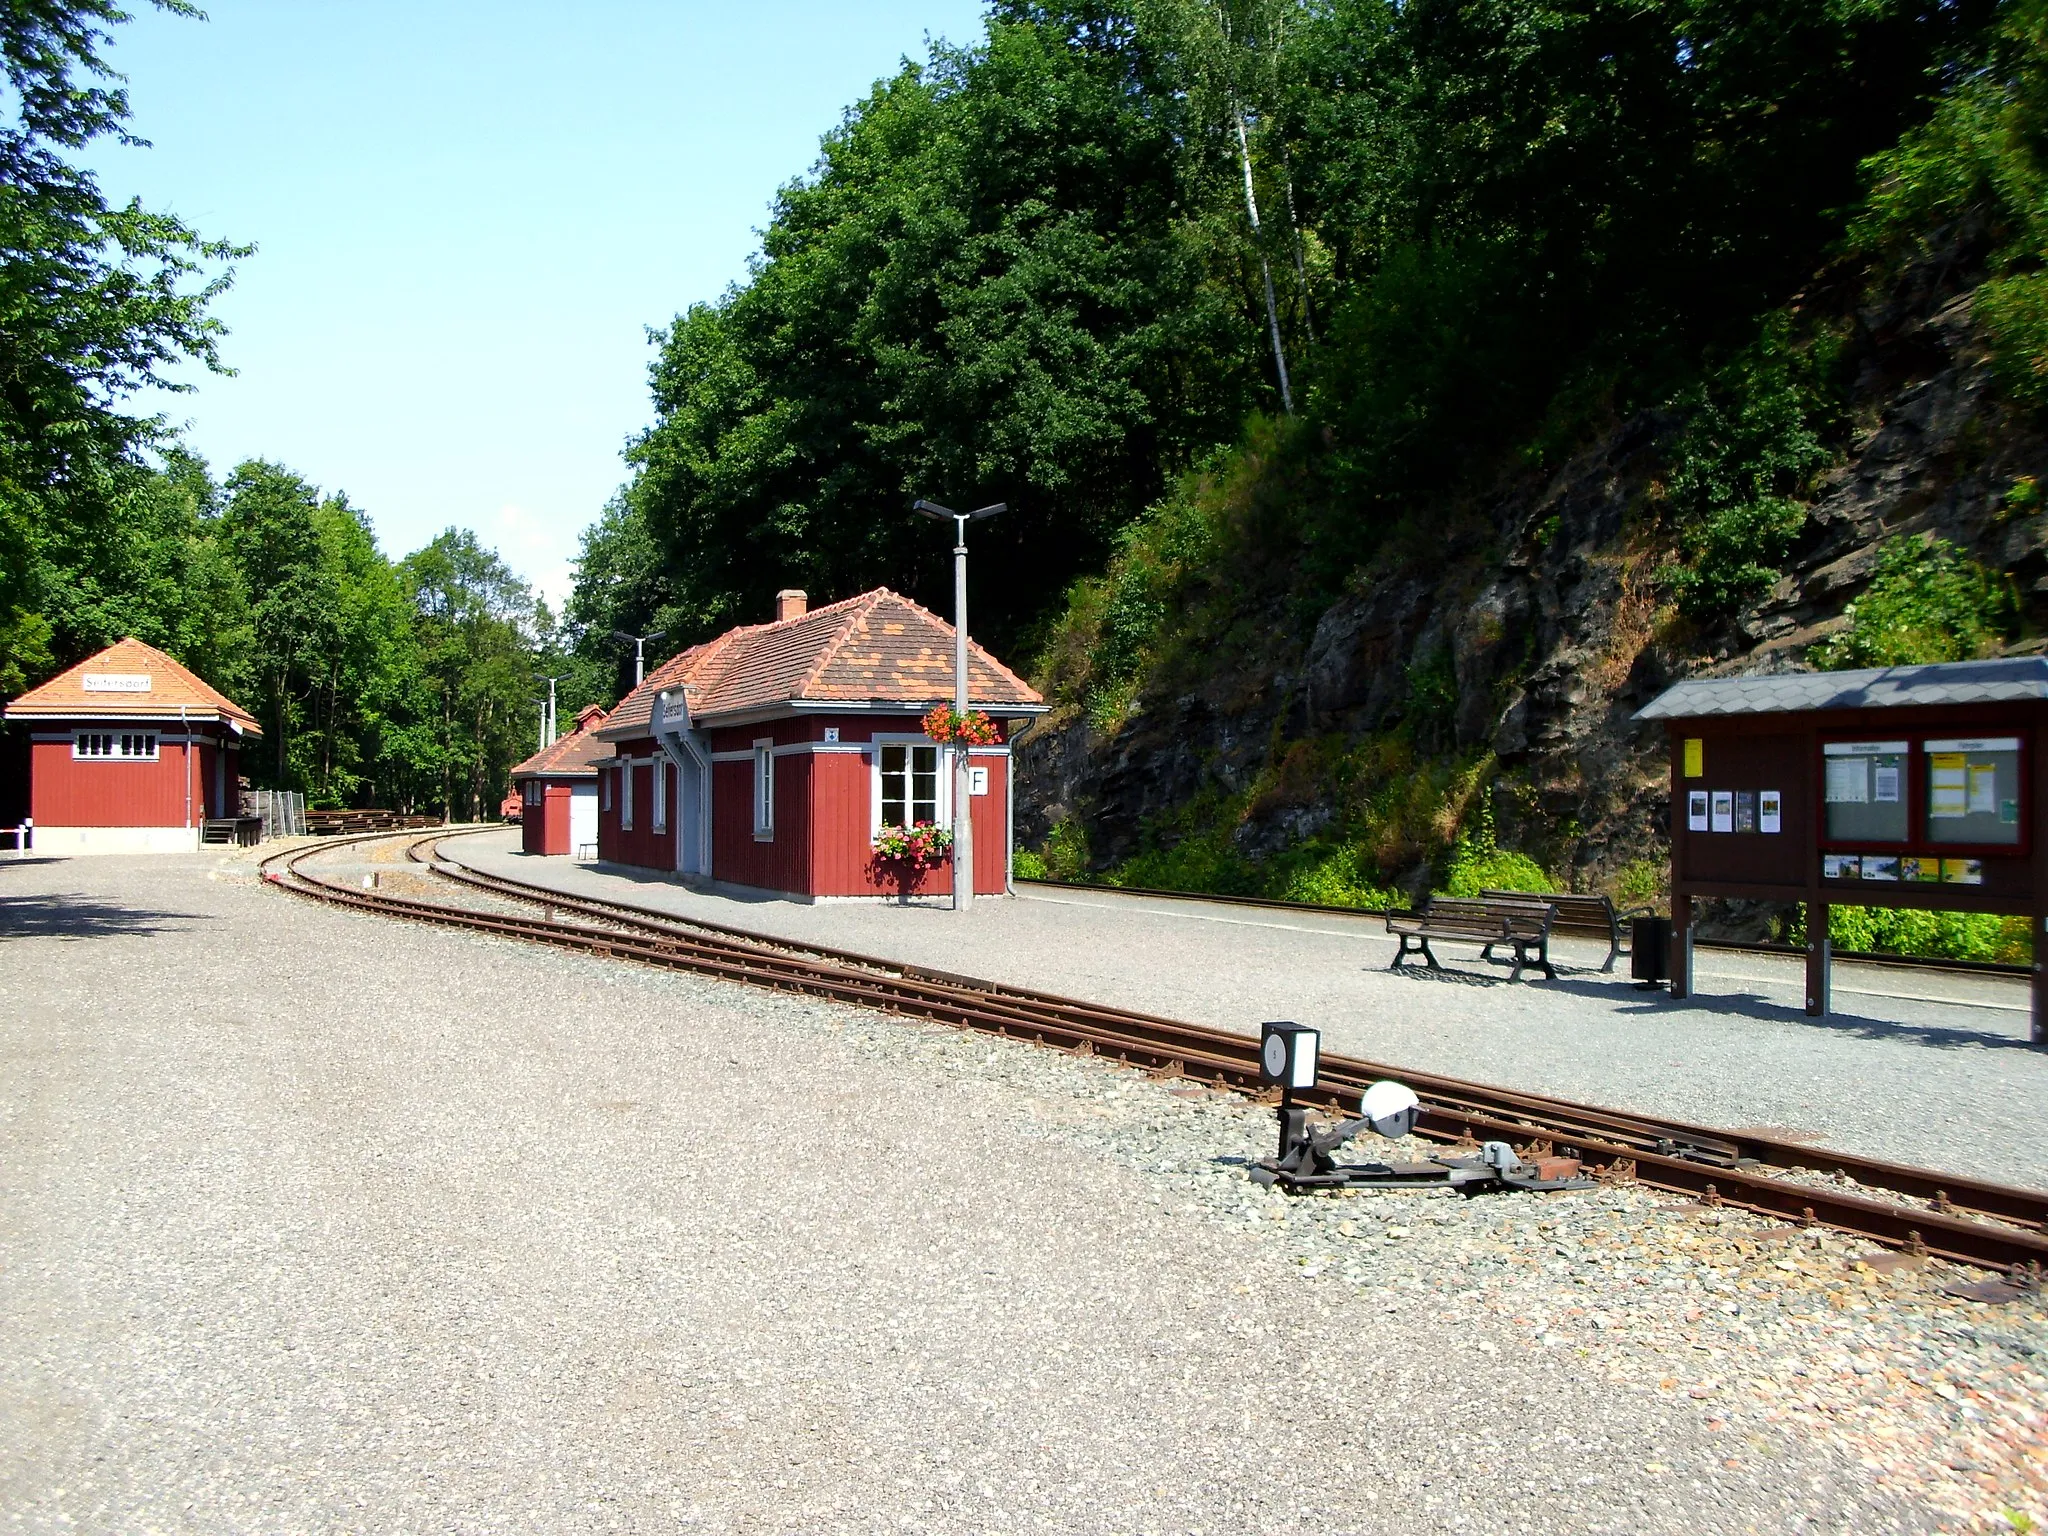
x: 1251, y: 208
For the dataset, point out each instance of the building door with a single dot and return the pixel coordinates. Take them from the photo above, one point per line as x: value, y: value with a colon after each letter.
x: 583, y: 821
x: 690, y: 818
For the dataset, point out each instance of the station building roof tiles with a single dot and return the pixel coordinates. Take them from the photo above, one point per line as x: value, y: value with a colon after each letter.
x: 130, y: 680
x: 572, y: 756
x: 2003, y: 680
x: 876, y: 649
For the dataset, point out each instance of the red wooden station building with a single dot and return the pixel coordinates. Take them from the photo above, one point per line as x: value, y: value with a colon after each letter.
x: 556, y: 790
x: 130, y: 753
x: 770, y: 757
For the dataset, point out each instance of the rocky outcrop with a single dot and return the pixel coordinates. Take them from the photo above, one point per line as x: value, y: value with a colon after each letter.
x: 1545, y: 611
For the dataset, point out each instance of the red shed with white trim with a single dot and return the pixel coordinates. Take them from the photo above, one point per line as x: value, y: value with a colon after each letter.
x: 557, y: 791
x: 130, y: 753
x: 770, y: 757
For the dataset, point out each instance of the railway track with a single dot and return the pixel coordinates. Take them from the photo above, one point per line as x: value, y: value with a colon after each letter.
x: 1968, y: 1221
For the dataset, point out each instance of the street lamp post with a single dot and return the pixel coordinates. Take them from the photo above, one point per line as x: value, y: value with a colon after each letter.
x: 547, y: 729
x: 639, y: 643
x: 963, y: 806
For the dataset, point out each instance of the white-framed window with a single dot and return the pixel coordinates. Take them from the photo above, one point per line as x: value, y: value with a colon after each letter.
x: 660, y: 801
x: 626, y: 794
x: 910, y: 783
x: 604, y: 785
x: 114, y: 746
x: 764, y: 788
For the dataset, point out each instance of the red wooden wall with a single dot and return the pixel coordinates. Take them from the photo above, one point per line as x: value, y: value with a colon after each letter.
x: 65, y: 792
x: 641, y: 845
x: 824, y: 814
x: 544, y: 828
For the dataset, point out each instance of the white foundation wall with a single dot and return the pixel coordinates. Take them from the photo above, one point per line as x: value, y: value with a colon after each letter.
x: 72, y: 841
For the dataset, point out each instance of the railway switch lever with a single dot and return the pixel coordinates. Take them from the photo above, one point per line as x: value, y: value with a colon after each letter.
x: 1305, y: 1160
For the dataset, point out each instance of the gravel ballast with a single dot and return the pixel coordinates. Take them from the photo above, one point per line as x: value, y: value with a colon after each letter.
x: 315, y: 1221
x: 1950, y: 1083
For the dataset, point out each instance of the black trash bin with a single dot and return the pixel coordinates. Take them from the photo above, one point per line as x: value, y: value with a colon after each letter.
x: 1649, y: 949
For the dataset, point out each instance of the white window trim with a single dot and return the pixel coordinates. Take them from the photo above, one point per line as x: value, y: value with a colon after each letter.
x: 944, y: 815
x: 626, y: 794
x: 604, y: 782
x: 764, y: 789
x: 659, y: 791
x: 116, y: 741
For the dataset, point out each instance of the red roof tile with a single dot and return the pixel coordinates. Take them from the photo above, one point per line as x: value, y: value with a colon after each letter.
x: 135, y: 680
x: 878, y: 648
x: 572, y: 755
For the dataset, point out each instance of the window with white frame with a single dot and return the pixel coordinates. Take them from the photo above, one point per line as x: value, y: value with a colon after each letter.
x: 660, y: 802
x: 764, y: 788
x: 114, y: 746
x: 604, y: 784
x: 626, y: 794
x: 910, y: 784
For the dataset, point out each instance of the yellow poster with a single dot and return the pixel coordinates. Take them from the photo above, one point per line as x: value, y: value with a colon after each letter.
x: 1948, y: 788
x: 1695, y: 757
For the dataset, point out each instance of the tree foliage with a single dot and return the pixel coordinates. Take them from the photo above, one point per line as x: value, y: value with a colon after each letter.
x: 1027, y: 270
x: 95, y: 300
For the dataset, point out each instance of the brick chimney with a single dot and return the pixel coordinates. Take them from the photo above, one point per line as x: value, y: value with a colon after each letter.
x: 791, y: 603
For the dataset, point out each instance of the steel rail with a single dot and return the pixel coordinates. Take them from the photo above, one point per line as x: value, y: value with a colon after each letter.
x: 1665, y: 1155
x: 1526, y: 1112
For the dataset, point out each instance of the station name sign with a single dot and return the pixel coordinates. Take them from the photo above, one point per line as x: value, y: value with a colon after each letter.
x: 115, y: 682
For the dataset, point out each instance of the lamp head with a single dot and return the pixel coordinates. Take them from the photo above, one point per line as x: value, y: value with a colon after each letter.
x: 1390, y: 1108
x: 933, y: 510
x: 1287, y: 1054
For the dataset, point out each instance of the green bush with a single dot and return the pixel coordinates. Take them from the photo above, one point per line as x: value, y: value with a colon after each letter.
x: 1064, y: 855
x: 1478, y: 864
x: 1754, y: 439
x: 1335, y: 877
x: 1926, y: 602
x: 1935, y: 935
x: 1643, y: 884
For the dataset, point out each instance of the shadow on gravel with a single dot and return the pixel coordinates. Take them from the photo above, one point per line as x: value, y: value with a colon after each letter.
x: 76, y: 917
x: 1646, y: 1001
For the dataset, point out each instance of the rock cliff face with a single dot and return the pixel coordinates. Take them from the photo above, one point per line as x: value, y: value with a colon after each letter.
x: 1544, y: 610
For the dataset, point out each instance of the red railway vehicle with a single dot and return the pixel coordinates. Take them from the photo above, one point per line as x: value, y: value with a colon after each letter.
x: 130, y: 753
x: 771, y: 757
x: 555, y: 791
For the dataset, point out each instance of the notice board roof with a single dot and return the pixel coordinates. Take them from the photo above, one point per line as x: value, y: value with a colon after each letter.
x: 2005, y: 680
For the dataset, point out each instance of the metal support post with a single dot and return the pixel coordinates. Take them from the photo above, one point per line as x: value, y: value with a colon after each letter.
x: 2040, y: 980
x: 963, y: 783
x: 1819, y: 955
x: 1680, y: 959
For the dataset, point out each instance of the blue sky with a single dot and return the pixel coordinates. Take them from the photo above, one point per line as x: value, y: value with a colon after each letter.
x: 467, y: 214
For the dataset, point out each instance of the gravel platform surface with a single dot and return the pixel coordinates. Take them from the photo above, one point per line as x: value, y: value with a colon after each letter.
x: 318, y: 1222
x: 1928, y: 1068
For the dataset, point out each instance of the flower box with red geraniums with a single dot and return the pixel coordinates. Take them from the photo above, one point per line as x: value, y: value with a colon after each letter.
x: 922, y: 845
x: 973, y: 729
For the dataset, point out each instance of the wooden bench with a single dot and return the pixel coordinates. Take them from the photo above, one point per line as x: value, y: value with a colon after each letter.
x: 1595, y: 915
x: 1522, y: 922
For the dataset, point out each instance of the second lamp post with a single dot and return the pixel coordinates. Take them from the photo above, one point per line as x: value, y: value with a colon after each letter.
x: 963, y: 784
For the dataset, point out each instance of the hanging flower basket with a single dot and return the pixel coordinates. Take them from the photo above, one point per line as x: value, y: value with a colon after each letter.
x: 917, y: 847
x: 973, y: 729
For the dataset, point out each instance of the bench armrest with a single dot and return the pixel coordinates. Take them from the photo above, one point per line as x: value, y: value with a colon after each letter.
x: 1624, y: 915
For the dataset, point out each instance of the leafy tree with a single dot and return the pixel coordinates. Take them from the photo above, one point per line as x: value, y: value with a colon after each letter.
x: 95, y: 299
x: 474, y: 628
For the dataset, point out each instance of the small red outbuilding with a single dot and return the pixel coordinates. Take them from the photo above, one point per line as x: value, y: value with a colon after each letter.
x: 130, y: 753
x: 770, y: 757
x: 557, y: 790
